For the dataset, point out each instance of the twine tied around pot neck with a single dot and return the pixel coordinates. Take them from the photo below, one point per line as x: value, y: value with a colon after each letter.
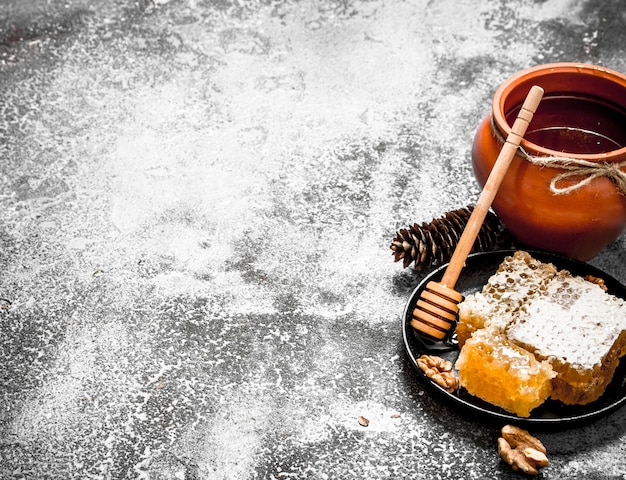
x: 576, y: 167
x: 585, y: 170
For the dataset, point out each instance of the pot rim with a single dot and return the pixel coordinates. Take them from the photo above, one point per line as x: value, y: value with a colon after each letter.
x: 537, y: 72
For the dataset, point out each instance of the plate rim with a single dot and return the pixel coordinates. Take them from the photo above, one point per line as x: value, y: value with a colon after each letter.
x: 561, y: 262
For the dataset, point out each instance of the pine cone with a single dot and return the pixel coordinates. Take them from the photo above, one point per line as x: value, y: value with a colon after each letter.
x: 433, y: 243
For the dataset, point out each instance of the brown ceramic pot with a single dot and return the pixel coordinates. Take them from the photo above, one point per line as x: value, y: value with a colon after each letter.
x: 582, y: 116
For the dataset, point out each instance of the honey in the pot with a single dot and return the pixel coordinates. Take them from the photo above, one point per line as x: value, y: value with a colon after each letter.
x: 576, y: 124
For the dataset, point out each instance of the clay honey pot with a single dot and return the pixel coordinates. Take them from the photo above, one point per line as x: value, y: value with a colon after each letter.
x: 565, y: 190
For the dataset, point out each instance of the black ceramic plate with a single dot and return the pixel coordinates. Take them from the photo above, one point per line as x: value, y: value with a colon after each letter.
x: 479, y: 267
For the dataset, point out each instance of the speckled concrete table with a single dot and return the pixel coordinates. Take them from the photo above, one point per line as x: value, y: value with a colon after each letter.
x: 197, y: 199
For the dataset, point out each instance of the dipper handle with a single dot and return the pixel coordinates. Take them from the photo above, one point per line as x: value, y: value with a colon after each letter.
x: 513, y: 140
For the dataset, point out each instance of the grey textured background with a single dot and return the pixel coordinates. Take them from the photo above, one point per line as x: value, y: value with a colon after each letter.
x: 196, y: 204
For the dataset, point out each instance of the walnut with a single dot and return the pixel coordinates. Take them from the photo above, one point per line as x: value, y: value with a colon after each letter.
x: 598, y: 281
x: 516, y: 436
x: 439, y: 370
x: 521, y: 450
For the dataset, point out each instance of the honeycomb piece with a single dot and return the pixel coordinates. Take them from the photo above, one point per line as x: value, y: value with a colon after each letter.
x: 492, y: 368
x: 518, y: 279
x: 580, y: 330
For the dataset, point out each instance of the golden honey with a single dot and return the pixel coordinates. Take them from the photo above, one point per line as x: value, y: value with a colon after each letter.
x: 495, y: 370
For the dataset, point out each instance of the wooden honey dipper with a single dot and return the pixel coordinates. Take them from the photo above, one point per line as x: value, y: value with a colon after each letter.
x: 437, y: 308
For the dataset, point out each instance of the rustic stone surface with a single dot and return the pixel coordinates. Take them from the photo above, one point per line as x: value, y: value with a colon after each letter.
x: 196, y: 204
